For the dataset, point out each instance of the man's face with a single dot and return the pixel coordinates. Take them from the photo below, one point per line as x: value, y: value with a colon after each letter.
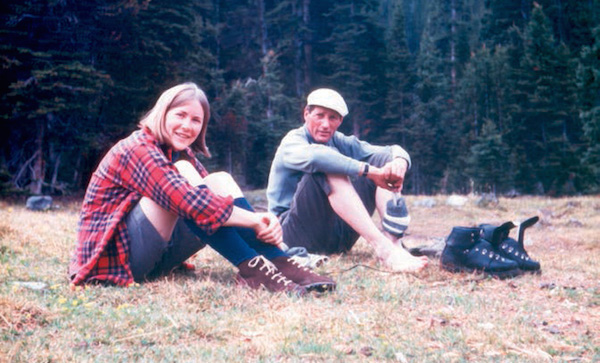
x: 322, y: 123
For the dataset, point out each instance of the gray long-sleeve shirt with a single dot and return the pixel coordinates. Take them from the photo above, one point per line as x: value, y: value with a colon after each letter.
x: 298, y: 153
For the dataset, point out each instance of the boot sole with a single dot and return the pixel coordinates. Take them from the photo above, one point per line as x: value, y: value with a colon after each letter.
x: 496, y: 274
x: 532, y: 272
x: 320, y: 287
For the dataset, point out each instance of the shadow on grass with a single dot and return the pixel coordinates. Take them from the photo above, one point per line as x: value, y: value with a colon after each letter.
x: 217, y: 275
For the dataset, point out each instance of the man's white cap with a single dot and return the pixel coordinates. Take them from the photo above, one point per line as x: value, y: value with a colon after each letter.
x: 328, y: 98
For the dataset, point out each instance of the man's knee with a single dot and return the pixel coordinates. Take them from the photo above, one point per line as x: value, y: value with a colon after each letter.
x: 339, y: 184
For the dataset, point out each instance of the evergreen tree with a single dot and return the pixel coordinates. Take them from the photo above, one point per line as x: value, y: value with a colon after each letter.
x: 250, y: 119
x: 293, y: 30
x: 483, y: 93
x: 228, y: 132
x: 272, y: 114
x: 356, y: 50
x: 52, y: 87
x: 427, y: 139
x: 238, y: 38
x: 84, y: 72
x: 449, y: 30
x: 502, y: 15
x: 163, y: 42
x: 572, y: 20
x: 588, y: 86
x: 488, y: 163
x: 547, y: 111
x: 400, y: 78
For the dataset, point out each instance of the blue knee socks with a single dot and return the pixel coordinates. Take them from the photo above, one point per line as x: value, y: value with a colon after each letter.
x: 237, y: 244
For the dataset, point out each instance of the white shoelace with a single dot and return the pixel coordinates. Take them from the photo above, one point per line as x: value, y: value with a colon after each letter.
x: 296, y: 263
x: 271, y: 269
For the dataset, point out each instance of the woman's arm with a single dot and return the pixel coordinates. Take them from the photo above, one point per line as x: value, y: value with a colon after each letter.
x: 266, y: 225
x: 143, y: 168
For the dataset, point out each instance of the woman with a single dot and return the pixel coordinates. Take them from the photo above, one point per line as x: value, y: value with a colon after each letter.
x: 150, y: 205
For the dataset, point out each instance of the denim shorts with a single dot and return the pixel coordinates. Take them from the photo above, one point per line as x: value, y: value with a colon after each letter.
x: 150, y: 255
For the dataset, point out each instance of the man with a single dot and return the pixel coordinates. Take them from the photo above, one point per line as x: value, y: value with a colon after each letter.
x: 324, y: 186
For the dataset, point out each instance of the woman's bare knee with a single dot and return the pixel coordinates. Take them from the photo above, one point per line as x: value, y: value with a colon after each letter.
x: 222, y: 183
x: 187, y: 170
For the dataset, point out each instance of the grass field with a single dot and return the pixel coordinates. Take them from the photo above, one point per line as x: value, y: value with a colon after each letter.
x: 373, y: 316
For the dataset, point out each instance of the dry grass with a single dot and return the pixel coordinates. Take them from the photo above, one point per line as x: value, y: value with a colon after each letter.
x: 376, y: 316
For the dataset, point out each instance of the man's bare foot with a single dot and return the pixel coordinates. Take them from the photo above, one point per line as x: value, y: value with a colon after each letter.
x: 400, y: 260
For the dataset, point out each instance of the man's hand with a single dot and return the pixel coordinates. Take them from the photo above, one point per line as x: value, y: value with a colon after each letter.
x: 395, y: 171
x: 269, y: 230
x: 390, y: 176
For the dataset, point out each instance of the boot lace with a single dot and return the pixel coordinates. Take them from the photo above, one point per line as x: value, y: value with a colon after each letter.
x: 298, y: 265
x: 514, y: 251
x: 270, y: 268
x: 484, y: 251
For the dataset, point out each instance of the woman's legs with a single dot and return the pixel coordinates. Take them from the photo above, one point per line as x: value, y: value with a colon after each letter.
x: 238, y: 245
x: 235, y: 244
x: 266, y: 249
x: 223, y: 184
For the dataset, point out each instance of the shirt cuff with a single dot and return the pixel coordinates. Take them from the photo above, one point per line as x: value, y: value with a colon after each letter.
x: 398, y: 152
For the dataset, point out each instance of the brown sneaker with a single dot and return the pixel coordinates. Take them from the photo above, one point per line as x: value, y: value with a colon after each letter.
x: 303, y: 276
x: 259, y: 272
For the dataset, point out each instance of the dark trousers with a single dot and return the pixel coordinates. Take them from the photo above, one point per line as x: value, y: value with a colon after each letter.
x: 312, y: 223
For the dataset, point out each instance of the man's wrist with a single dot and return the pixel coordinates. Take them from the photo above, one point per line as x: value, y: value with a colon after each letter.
x: 365, y: 172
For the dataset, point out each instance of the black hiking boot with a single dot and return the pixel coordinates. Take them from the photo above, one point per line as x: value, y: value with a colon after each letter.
x: 509, y: 247
x: 259, y: 272
x: 466, y: 251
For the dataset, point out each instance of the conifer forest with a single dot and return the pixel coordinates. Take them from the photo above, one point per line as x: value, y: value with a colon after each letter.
x: 488, y: 96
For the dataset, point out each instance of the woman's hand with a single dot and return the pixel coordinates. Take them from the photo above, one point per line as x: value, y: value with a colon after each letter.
x: 265, y: 225
x: 269, y: 230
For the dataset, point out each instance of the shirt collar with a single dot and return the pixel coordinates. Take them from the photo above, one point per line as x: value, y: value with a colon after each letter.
x: 311, y: 140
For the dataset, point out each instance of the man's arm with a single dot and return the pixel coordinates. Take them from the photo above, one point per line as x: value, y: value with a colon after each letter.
x: 345, y: 157
x: 390, y: 176
x: 361, y: 150
x: 298, y: 154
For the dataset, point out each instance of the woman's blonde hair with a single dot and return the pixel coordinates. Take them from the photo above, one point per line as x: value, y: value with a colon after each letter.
x: 154, y: 120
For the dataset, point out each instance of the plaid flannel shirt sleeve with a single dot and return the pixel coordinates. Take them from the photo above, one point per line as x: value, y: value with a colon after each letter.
x: 147, y: 171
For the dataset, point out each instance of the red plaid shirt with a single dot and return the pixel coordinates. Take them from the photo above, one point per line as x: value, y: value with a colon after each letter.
x: 136, y: 166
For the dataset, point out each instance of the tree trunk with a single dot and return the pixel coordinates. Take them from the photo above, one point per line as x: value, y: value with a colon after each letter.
x: 56, y: 159
x: 264, y: 50
x: 263, y: 29
x: 37, y: 177
x: 307, y: 44
x: 453, y: 46
x: 76, y: 174
x: 560, y: 22
x: 229, y: 160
